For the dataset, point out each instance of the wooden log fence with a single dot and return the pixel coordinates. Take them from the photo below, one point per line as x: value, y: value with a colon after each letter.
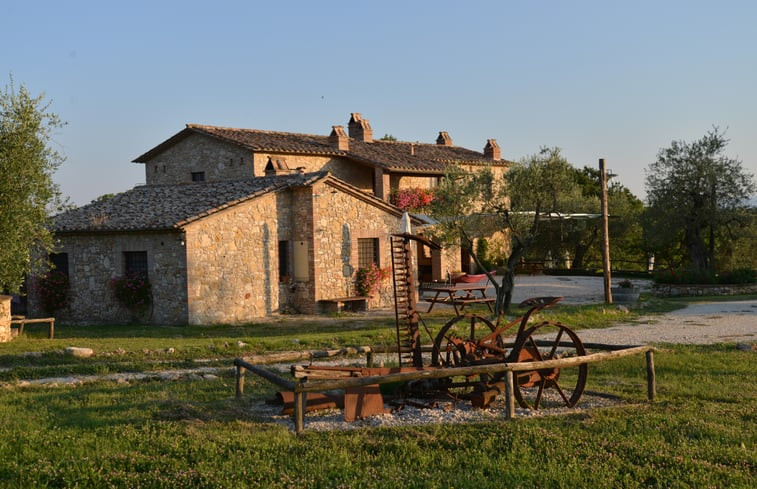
x: 301, y: 388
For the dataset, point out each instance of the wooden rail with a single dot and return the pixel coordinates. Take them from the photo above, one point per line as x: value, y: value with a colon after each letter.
x: 303, y: 387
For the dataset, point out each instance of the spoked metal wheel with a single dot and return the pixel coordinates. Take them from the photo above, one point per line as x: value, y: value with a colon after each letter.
x: 551, y: 387
x: 466, y: 340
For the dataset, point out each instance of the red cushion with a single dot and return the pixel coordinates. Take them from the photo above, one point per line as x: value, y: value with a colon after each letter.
x: 469, y: 279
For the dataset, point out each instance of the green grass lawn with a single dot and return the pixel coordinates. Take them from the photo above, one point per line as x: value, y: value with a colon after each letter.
x: 701, y: 432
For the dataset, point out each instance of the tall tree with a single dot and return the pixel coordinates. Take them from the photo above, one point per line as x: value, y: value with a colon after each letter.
x: 27, y: 192
x: 695, y: 192
x: 470, y: 205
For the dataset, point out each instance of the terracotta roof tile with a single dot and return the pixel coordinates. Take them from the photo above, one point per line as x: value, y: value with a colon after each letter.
x: 161, y: 207
x: 390, y: 155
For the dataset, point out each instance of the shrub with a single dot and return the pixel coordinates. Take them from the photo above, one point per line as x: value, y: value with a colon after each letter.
x: 733, y: 277
x: 368, y: 280
x: 133, y: 291
x: 53, y: 291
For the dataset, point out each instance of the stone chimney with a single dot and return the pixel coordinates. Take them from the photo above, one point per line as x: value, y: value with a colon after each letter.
x: 491, y: 150
x: 359, y: 128
x: 276, y: 167
x: 338, y: 138
x: 444, y: 139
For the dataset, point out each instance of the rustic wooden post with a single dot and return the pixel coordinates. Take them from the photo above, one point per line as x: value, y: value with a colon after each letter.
x: 369, y: 359
x: 605, y: 232
x: 509, y: 397
x: 651, y: 382
x: 299, y: 407
x: 51, y: 329
x: 240, y: 381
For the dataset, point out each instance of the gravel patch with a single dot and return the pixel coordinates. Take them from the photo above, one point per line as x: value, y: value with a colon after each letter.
x: 448, y: 412
x: 697, y: 324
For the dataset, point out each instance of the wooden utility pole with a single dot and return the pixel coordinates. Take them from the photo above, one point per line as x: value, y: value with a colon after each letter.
x: 605, y: 232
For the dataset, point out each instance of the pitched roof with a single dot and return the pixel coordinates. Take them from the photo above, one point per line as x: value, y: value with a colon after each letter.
x: 163, y: 207
x: 390, y: 155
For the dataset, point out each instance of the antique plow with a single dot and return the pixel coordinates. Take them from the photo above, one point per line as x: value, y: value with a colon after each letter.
x: 466, y: 340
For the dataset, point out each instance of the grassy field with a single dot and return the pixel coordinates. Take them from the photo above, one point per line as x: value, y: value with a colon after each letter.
x: 701, y: 432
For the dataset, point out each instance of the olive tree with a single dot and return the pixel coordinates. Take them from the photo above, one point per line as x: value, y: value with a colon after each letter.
x: 472, y: 204
x: 27, y: 192
x: 696, y: 194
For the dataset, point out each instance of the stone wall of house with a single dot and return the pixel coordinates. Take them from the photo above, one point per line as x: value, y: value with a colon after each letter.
x: 5, y: 318
x: 406, y: 181
x: 199, y: 153
x: 353, y: 173
x: 302, y: 291
x: 340, y: 219
x: 233, y: 263
x: 94, y: 259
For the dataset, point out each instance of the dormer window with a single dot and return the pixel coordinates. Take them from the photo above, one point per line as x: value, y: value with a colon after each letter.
x: 198, y: 176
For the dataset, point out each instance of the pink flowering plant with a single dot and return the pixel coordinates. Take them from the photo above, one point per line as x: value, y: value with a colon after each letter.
x: 133, y: 291
x: 53, y: 291
x: 368, y: 280
x: 412, y: 199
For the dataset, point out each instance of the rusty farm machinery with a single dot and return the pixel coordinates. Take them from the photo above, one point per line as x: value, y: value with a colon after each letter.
x: 536, y: 363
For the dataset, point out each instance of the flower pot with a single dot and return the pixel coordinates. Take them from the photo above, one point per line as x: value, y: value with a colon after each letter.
x: 625, y: 295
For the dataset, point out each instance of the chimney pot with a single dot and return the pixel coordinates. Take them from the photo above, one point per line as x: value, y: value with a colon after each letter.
x: 338, y: 138
x: 444, y: 139
x: 491, y: 150
x: 359, y: 128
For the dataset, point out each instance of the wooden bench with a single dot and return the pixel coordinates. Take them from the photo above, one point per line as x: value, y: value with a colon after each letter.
x: 356, y: 303
x: 21, y: 321
x: 530, y: 267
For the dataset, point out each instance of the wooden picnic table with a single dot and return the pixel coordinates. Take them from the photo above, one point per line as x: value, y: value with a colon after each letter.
x: 458, y: 295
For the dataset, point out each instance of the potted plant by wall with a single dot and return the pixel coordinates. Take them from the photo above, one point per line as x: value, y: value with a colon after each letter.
x: 625, y: 293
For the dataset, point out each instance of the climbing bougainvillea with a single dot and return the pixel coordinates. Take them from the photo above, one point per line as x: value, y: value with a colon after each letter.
x: 412, y: 199
x: 53, y: 291
x: 368, y: 280
x: 133, y: 290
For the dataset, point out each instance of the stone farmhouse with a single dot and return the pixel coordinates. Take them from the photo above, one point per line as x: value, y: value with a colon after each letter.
x: 237, y: 224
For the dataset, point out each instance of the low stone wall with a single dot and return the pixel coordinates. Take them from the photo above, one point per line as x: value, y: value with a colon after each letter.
x: 677, y: 290
x: 5, y: 318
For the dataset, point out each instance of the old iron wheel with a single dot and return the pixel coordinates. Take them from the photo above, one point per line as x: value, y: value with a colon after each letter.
x: 564, y: 386
x: 462, y: 341
x: 459, y: 342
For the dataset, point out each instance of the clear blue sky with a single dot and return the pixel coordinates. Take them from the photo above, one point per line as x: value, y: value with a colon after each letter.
x: 617, y: 80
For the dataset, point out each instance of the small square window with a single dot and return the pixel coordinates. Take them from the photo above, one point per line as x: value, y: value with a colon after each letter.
x: 135, y: 263
x: 198, y: 176
x: 367, y: 252
x: 60, y: 262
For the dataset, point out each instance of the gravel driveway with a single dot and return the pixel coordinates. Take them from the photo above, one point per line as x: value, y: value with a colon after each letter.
x: 698, y: 323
